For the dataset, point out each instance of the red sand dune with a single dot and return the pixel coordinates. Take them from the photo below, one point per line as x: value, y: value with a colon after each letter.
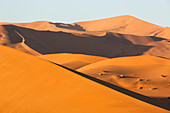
x: 110, y: 45
x: 32, y: 85
x: 73, y: 61
x: 139, y: 71
x: 45, y: 26
x: 127, y: 25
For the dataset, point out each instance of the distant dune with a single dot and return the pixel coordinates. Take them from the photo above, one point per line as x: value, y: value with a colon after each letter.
x: 73, y: 61
x: 110, y: 45
x: 45, y: 26
x: 127, y: 25
x: 140, y: 72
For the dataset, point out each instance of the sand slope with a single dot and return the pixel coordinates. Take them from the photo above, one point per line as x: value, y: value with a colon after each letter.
x: 135, y: 61
x: 73, y: 61
x: 31, y: 85
x: 125, y: 24
x: 12, y: 38
x: 108, y: 45
x: 139, y: 71
x: 47, y: 26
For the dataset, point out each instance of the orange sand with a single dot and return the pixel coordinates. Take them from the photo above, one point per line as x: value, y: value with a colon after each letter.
x: 30, y: 85
x: 147, y: 68
x: 73, y: 61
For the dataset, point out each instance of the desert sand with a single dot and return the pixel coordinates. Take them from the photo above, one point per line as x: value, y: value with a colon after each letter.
x: 101, y: 66
x: 73, y: 61
x: 30, y: 85
x: 110, y: 45
x: 139, y: 72
x: 126, y: 24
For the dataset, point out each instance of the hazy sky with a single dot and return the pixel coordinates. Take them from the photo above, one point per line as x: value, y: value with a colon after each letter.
x: 154, y: 11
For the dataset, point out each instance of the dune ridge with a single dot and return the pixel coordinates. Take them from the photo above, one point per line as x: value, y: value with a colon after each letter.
x: 143, y: 72
x: 35, y: 85
x: 126, y: 24
x: 73, y: 61
x: 110, y: 45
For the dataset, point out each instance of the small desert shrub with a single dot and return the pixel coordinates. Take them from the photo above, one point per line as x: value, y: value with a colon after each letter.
x: 168, y: 97
x: 104, y: 71
x: 146, y: 80
x: 154, y: 88
x: 163, y: 75
x: 121, y: 76
x: 140, y: 79
x: 140, y: 87
x: 100, y: 74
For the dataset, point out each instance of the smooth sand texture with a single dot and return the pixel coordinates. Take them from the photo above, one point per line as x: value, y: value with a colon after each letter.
x: 139, y: 71
x: 134, y: 61
x: 38, y: 25
x: 73, y: 61
x: 125, y: 24
x: 32, y: 85
x: 44, y: 26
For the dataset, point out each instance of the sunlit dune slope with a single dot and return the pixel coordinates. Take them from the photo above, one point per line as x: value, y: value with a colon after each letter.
x: 32, y: 85
x: 47, y: 26
x: 134, y: 61
x: 38, y: 25
x: 73, y: 61
x: 148, y: 75
x: 125, y: 24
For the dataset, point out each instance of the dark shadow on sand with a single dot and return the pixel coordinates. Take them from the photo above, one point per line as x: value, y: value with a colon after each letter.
x: 69, y: 26
x: 122, y: 90
x: 49, y: 42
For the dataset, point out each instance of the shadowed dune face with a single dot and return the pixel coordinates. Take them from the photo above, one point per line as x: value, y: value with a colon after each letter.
x: 109, y: 45
x: 11, y: 38
x: 1, y: 35
x: 96, y: 43
x: 69, y: 26
x: 141, y: 40
x: 32, y: 85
